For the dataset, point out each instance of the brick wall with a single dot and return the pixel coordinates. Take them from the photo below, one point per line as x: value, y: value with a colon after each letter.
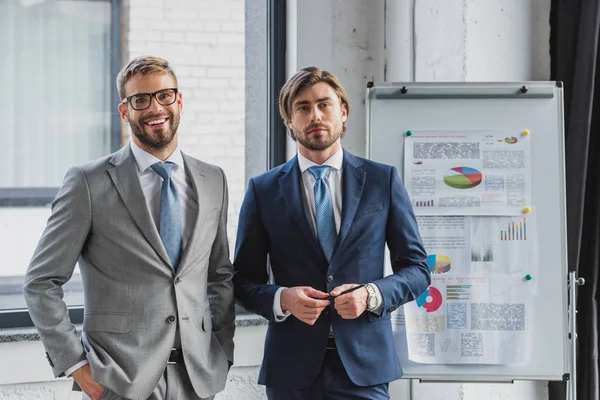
x: 204, y: 40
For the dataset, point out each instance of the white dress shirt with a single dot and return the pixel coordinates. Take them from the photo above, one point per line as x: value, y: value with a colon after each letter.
x: 334, y: 183
x: 151, y: 184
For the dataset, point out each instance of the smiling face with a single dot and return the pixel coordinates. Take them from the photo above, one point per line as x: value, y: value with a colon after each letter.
x: 317, y: 118
x: 155, y: 128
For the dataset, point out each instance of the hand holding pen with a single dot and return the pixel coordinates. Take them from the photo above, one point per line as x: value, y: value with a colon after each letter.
x: 352, y: 289
x: 350, y: 300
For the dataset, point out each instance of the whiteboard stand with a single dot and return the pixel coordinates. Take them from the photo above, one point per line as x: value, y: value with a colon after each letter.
x: 394, y: 108
x: 574, y: 283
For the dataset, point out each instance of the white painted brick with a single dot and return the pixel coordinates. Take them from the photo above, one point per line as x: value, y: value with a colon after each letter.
x: 201, y: 38
x: 206, y: 106
x: 188, y: 83
x: 177, y: 49
x: 223, y: 72
x: 208, y: 83
x: 155, y: 3
x: 181, y: 14
x: 199, y: 72
x: 212, y: 27
x: 216, y: 14
x: 173, y: 37
x: 231, y: 106
x: 227, y: 118
x: 145, y: 35
x: 154, y: 48
x: 233, y: 27
x: 148, y: 14
x: 235, y: 95
x: 231, y: 38
x: 138, y: 25
x: 210, y: 94
x: 162, y: 26
x: 213, y: 59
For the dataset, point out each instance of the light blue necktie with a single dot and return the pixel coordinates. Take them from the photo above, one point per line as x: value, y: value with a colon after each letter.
x: 326, y: 232
x: 170, y: 213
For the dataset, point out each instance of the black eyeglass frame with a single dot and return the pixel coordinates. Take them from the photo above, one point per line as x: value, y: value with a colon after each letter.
x: 128, y: 99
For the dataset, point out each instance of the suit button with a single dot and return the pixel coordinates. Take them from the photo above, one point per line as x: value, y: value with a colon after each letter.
x: 171, y: 319
x: 177, y: 281
x: 330, y: 278
x: 326, y: 311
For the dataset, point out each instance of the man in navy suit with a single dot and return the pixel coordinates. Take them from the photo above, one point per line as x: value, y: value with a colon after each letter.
x: 321, y: 221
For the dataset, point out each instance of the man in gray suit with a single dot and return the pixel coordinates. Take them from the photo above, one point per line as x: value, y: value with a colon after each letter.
x: 148, y: 227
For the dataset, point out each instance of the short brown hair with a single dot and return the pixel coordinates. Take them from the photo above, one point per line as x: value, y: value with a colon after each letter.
x: 143, y: 65
x: 307, y: 77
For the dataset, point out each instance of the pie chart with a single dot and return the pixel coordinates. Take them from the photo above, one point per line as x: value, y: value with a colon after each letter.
x: 511, y: 140
x: 462, y: 178
x: 430, y: 300
x: 438, y: 264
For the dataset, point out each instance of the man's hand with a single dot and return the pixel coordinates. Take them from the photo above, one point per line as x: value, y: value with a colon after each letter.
x: 352, y: 304
x: 304, y: 303
x: 83, y: 377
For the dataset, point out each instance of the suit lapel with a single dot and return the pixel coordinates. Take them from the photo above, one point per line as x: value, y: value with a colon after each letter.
x: 290, y: 185
x: 125, y: 178
x: 353, y: 182
x: 197, y: 178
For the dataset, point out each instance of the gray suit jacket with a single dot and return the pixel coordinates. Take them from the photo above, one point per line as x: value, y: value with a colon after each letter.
x: 100, y: 219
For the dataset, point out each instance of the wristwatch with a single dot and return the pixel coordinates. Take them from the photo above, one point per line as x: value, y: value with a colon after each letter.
x: 372, y: 297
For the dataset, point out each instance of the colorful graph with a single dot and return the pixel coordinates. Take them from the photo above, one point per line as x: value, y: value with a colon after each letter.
x: 482, y: 254
x: 462, y: 178
x: 438, y: 264
x: 458, y: 292
x: 511, y: 140
x: 424, y: 203
x: 515, y: 231
x: 430, y: 300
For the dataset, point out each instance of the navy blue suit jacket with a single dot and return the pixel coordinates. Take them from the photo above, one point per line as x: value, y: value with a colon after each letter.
x: 274, y: 228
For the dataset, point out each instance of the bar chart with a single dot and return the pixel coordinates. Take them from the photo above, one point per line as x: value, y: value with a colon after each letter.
x: 515, y: 230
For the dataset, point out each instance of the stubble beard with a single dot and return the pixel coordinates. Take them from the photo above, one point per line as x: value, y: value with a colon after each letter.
x: 318, y: 144
x: 158, y: 140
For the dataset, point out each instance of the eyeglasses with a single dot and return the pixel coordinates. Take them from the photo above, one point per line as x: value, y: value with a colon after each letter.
x: 141, y: 101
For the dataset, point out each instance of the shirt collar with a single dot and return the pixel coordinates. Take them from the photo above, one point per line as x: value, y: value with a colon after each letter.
x: 335, y: 161
x: 144, y: 159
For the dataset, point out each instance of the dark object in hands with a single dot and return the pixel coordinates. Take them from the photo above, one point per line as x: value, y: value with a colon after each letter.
x: 345, y: 292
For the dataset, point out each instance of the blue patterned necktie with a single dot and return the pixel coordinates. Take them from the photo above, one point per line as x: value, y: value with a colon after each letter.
x: 326, y: 232
x: 170, y: 213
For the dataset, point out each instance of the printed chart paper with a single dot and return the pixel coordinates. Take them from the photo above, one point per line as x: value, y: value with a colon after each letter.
x: 468, y: 172
x: 478, y: 306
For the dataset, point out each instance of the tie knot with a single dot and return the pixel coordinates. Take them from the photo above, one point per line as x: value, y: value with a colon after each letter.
x: 163, y: 169
x: 319, y: 171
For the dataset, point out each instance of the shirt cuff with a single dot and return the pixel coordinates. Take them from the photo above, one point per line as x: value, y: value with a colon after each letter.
x: 379, y: 308
x: 277, y: 311
x: 75, y: 367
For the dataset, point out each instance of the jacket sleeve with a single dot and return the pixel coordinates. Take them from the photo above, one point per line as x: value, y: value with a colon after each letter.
x: 220, y: 285
x: 411, y: 275
x: 252, y: 290
x: 52, y: 266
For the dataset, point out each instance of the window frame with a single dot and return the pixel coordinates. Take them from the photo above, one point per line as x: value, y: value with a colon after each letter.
x: 276, y: 76
x: 43, y: 196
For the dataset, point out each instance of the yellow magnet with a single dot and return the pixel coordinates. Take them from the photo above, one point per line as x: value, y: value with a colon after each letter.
x: 526, y: 132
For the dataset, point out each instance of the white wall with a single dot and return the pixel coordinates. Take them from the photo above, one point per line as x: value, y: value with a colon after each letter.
x: 422, y: 40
